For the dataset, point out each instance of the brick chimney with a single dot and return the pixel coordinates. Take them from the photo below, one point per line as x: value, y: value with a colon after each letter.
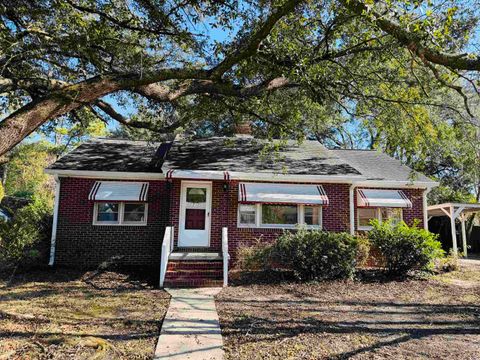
x: 243, y: 128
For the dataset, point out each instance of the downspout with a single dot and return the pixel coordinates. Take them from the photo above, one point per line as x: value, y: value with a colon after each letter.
x: 425, y: 206
x: 351, y: 198
x: 55, y: 221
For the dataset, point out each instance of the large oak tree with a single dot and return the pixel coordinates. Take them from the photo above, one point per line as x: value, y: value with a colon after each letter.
x: 290, y: 65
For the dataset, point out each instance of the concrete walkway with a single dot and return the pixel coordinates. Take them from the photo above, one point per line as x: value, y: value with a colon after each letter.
x: 191, y: 329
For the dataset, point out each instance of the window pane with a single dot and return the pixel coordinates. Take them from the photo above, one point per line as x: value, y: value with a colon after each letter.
x: 279, y: 214
x: 195, y: 219
x: 312, y: 215
x: 196, y: 195
x: 107, y: 212
x: 134, y: 213
x: 365, y: 215
x: 247, y: 214
x: 392, y: 214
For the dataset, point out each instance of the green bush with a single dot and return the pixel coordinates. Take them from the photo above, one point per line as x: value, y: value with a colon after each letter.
x: 317, y: 255
x: 27, y: 227
x: 254, y: 257
x: 405, y: 248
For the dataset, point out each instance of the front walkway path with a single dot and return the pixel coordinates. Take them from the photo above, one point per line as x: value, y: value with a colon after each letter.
x: 191, y: 329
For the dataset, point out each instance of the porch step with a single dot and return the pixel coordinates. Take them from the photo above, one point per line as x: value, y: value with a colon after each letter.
x: 192, y: 283
x: 193, y: 256
x: 190, y: 273
x: 194, y: 265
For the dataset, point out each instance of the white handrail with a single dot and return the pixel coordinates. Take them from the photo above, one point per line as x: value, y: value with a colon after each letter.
x: 226, y: 256
x: 167, y: 247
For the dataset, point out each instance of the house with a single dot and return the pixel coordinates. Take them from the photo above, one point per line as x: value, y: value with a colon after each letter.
x: 200, y: 200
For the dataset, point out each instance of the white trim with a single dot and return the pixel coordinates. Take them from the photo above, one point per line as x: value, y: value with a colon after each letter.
x: 357, y: 180
x: 208, y: 208
x: 53, y: 240
x: 300, y: 214
x: 114, y: 175
x: 378, y: 216
x: 425, y: 208
x: 121, y: 214
x: 351, y: 202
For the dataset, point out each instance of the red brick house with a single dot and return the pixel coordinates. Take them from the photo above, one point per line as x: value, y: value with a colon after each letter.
x: 200, y: 200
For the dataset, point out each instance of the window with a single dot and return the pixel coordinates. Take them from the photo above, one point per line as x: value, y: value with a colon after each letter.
x: 107, y: 213
x: 279, y: 214
x: 364, y: 218
x: 134, y: 213
x: 120, y: 214
x: 392, y: 214
x: 282, y: 216
x: 365, y: 215
x: 247, y: 214
x: 312, y: 215
x: 196, y: 195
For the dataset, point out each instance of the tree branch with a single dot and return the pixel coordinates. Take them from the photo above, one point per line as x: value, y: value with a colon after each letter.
x: 412, y: 41
x: 250, y: 46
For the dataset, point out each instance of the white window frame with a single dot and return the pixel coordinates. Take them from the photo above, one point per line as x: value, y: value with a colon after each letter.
x: 121, y: 214
x: 300, y: 212
x: 378, y: 216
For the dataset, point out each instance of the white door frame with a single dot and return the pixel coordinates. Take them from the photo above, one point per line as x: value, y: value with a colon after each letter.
x: 208, y: 209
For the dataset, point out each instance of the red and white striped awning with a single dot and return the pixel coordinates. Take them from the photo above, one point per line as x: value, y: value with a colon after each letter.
x: 382, y: 198
x: 282, y: 194
x: 119, y: 191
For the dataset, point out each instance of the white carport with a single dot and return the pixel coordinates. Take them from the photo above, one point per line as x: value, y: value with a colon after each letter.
x: 455, y: 211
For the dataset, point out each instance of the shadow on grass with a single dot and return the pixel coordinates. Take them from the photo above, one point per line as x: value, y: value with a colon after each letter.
x: 416, y: 321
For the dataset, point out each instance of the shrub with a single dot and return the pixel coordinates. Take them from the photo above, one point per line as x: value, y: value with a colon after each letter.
x: 317, y: 255
x: 449, y: 263
x: 405, y: 248
x: 254, y: 257
x: 27, y: 227
x: 2, y: 192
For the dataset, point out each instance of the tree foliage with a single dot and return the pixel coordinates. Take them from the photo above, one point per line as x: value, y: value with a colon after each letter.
x: 293, y: 67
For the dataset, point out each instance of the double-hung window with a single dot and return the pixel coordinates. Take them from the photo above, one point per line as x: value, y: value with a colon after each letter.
x: 366, y: 215
x: 120, y: 213
x: 279, y: 216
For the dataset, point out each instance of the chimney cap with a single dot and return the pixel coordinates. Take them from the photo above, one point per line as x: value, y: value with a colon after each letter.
x: 243, y: 128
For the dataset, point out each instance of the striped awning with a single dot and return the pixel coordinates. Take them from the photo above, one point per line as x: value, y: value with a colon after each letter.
x: 282, y: 194
x: 119, y: 191
x: 382, y: 198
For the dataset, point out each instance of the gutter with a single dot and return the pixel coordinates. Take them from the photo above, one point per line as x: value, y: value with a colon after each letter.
x: 357, y: 180
x: 55, y: 221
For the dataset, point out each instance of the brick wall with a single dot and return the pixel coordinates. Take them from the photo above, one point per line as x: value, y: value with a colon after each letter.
x: 79, y: 243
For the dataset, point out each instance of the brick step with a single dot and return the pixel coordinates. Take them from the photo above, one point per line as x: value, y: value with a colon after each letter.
x: 195, y: 265
x: 210, y: 274
x: 187, y: 283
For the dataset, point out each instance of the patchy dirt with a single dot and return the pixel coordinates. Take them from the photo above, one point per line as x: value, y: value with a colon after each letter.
x: 435, y: 318
x: 71, y: 315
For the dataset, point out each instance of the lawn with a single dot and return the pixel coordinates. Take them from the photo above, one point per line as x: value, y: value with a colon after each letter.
x: 434, y: 318
x: 65, y: 314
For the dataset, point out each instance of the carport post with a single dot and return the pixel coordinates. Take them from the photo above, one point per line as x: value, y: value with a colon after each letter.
x: 464, y: 236
x: 454, y: 232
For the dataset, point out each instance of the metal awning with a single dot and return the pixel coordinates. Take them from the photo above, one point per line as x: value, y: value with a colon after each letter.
x: 119, y: 191
x: 382, y: 198
x: 282, y: 194
x: 455, y: 211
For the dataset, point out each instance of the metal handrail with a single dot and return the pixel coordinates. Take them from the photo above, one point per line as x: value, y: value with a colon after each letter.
x: 226, y: 256
x: 167, y: 247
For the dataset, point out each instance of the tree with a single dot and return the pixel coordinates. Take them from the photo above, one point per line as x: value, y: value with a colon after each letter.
x: 285, y: 56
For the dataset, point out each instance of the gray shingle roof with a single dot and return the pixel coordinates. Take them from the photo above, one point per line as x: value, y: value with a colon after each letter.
x: 375, y: 165
x: 113, y: 155
x: 243, y: 154
x: 236, y: 154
